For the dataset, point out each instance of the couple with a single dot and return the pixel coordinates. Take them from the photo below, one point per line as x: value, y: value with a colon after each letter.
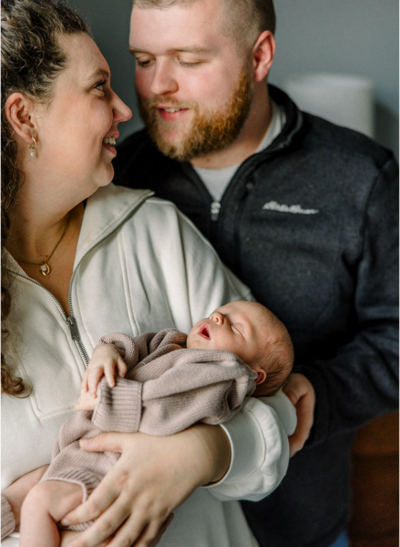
x: 121, y: 260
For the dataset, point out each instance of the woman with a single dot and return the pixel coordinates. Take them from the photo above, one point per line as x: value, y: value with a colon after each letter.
x: 83, y: 258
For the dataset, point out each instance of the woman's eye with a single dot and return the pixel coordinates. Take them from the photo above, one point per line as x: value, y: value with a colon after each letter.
x: 100, y: 85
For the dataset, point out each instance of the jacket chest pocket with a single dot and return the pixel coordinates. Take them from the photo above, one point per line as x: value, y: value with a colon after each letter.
x: 291, y: 260
x: 52, y: 366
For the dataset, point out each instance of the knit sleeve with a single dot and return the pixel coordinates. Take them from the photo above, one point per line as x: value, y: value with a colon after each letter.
x: 196, y: 386
x: 7, y: 518
x: 119, y: 407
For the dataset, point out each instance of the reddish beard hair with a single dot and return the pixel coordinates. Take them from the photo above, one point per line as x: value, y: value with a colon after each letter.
x: 210, y: 130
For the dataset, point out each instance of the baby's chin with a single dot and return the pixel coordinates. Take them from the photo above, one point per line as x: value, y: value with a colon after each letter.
x: 196, y: 342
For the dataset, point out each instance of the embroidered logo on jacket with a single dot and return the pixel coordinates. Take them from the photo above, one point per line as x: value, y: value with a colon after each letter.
x: 295, y: 209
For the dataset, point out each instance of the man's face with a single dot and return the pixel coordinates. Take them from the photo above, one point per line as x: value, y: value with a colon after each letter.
x: 194, y: 89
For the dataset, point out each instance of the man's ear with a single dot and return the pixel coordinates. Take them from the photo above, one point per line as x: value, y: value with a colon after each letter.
x: 18, y: 109
x: 261, y: 375
x: 263, y: 55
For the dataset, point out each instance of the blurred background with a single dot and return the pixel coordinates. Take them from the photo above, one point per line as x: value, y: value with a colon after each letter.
x: 355, y: 38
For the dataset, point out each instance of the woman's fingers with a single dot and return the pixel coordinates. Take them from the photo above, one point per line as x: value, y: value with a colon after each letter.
x: 105, y: 526
x: 110, y: 442
x: 153, y: 476
x: 153, y: 533
x: 137, y: 533
x: 101, y: 498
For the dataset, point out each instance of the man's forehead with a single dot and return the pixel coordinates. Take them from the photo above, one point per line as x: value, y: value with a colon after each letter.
x: 177, y: 27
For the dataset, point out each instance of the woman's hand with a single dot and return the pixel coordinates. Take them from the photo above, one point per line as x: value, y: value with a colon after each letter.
x: 67, y: 536
x: 18, y: 490
x: 151, y: 479
x: 302, y: 395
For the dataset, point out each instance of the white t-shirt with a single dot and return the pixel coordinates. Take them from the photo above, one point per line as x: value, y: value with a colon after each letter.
x: 217, y: 180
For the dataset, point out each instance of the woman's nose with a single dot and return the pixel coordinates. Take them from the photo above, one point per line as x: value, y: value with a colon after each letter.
x: 121, y: 111
x: 217, y: 318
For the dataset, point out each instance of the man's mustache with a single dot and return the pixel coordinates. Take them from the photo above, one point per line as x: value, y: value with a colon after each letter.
x: 156, y: 101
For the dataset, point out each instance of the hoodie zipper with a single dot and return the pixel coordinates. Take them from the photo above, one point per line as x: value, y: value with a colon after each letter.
x: 215, y: 209
x: 70, y: 320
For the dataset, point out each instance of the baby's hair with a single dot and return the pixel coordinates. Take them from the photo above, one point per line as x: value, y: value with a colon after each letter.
x: 278, y: 364
x: 278, y: 354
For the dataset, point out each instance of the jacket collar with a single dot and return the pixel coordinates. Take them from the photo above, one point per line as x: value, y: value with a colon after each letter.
x: 294, y: 119
x: 105, y: 211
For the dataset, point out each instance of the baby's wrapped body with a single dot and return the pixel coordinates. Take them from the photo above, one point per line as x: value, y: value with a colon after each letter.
x: 167, y: 388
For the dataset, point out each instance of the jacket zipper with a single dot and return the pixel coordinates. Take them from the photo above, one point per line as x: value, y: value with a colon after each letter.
x: 215, y: 209
x: 71, y: 321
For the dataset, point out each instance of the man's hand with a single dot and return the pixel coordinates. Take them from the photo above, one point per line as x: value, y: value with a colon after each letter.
x: 301, y: 393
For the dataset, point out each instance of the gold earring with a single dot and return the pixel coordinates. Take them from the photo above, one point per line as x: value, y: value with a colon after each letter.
x: 32, y: 146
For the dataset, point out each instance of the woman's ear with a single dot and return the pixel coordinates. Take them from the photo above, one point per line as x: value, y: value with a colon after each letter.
x: 261, y: 375
x: 263, y: 55
x: 18, y: 110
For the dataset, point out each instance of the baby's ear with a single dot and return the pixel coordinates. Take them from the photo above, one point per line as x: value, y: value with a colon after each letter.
x: 261, y: 375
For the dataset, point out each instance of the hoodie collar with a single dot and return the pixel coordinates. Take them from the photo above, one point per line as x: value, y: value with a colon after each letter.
x: 105, y: 211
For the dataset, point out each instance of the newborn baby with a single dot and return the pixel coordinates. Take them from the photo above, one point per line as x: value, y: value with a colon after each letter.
x: 166, y: 382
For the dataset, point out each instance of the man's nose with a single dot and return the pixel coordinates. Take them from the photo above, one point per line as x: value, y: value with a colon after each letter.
x: 163, y: 82
x: 217, y: 318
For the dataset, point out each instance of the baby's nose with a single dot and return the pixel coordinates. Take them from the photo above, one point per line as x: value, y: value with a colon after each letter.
x: 217, y: 317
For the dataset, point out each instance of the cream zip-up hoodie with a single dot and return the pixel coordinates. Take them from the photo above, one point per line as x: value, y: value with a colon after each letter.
x: 140, y: 265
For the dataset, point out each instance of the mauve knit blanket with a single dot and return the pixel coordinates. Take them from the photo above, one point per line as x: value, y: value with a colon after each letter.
x: 167, y: 388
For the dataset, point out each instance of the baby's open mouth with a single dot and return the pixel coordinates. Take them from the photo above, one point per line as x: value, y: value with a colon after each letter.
x: 204, y: 331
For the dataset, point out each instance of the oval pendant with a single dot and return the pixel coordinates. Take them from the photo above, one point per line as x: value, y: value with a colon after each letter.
x: 45, y: 269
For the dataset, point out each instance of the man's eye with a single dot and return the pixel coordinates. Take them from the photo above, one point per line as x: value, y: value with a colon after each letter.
x: 190, y: 65
x: 143, y: 64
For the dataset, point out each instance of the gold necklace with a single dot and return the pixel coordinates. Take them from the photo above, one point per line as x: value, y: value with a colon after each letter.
x: 44, y: 266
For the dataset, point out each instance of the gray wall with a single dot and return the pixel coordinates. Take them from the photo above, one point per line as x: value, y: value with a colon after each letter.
x: 358, y: 37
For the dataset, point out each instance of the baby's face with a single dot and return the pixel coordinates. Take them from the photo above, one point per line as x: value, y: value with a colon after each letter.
x: 238, y: 327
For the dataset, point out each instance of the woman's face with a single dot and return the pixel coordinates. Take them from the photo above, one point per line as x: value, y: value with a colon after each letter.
x: 74, y: 128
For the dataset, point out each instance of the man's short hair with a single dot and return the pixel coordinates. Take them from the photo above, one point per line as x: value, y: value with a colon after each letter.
x: 244, y: 19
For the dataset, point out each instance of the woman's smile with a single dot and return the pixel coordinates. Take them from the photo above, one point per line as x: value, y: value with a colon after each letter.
x: 110, y: 142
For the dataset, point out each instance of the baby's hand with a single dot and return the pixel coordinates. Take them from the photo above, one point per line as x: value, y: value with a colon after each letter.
x: 105, y: 360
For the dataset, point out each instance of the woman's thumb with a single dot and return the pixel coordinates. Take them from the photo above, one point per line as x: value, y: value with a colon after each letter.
x: 104, y: 442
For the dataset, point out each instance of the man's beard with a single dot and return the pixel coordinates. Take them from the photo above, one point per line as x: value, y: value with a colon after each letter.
x: 210, y: 130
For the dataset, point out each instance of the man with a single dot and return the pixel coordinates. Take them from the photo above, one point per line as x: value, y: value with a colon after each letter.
x: 304, y: 212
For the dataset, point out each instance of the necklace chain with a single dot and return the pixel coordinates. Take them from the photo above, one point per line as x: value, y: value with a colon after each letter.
x: 44, y: 266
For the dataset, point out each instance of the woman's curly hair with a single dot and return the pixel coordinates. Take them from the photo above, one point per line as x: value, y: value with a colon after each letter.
x: 31, y: 59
